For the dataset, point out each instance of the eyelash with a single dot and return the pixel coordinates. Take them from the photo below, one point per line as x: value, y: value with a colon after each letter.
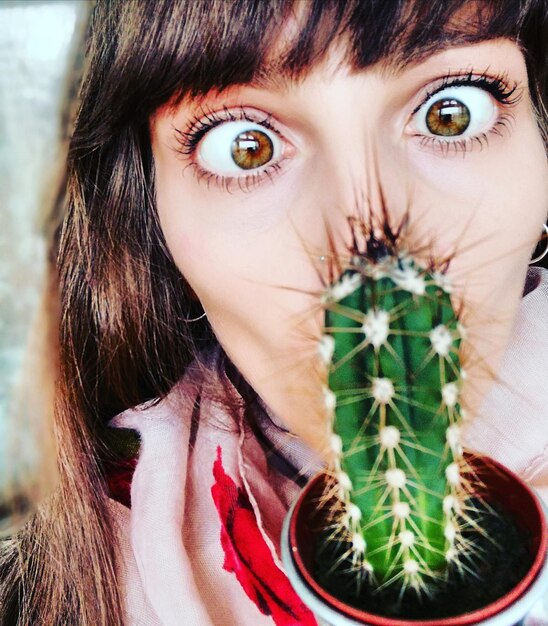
x: 199, y: 126
x: 497, y: 86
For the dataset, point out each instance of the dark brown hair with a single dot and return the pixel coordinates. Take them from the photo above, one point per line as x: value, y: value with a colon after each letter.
x: 124, y: 335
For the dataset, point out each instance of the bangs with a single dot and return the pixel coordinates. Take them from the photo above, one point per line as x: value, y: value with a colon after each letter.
x: 159, y: 52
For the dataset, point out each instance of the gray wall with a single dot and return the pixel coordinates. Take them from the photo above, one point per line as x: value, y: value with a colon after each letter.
x: 37, y: 43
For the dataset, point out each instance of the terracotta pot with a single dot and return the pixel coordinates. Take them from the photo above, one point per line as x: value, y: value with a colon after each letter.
x: 501, y: 486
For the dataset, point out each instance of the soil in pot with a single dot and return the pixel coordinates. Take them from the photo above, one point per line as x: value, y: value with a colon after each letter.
x: 501, y: 559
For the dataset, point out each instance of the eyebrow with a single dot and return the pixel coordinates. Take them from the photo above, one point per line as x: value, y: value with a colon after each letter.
x: 274, y: 77
x: 451, y: 39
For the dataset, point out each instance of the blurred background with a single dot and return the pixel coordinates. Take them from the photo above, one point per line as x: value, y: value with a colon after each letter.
x: 40, y: 59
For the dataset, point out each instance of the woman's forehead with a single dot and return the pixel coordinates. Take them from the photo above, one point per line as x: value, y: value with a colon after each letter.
x: 270, y: 48
x: 480, y: 55
x: 404, y: 34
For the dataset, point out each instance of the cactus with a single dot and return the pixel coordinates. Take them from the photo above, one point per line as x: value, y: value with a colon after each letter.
x: 391, y: 350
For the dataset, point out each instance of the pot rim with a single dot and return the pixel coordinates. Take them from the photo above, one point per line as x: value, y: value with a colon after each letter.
x: 465, y: 619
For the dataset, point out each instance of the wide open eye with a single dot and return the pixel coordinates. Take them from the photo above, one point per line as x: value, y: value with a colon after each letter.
x: 233, y: 147
x: 456, y: 111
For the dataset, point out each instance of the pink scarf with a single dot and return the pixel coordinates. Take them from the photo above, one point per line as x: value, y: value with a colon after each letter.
x: 212, y: 484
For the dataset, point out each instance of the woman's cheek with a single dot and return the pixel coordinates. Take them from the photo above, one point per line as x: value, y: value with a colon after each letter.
x: 486, y: 204
x: 485, y: 210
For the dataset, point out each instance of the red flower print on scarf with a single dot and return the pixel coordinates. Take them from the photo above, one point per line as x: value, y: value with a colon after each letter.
x: 248, y: 556
x: 119, y: 475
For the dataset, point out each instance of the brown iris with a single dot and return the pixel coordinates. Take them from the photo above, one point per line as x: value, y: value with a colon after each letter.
x: 448, y: 117
x: 251, y: 149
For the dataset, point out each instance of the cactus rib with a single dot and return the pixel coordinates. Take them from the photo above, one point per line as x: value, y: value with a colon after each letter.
x: 391, y: 351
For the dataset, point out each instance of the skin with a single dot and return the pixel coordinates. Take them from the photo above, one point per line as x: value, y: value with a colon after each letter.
x: 251, y: 256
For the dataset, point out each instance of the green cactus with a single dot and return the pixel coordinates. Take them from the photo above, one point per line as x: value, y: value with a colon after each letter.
x: 391, y: 349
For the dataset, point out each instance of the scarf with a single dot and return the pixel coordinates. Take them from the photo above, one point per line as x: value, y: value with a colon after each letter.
x: 199, y: 510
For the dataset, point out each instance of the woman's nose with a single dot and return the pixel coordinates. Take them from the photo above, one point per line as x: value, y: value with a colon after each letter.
x: 365, y: 179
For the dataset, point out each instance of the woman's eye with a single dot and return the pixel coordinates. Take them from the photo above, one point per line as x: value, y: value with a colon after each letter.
x: 456, y: 112
x: 234, y: 147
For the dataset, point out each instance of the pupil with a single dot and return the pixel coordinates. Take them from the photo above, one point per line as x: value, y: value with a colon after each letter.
x: 252, y: 149
x: 448, y: 117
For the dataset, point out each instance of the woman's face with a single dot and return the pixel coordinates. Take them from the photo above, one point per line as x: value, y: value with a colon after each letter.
x: 249, y: 182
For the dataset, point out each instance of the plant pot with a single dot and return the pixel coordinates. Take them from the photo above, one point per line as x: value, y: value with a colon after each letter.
x: 501, y: 487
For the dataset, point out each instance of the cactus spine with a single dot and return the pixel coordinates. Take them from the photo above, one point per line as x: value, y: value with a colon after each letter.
x: 391, y: 348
